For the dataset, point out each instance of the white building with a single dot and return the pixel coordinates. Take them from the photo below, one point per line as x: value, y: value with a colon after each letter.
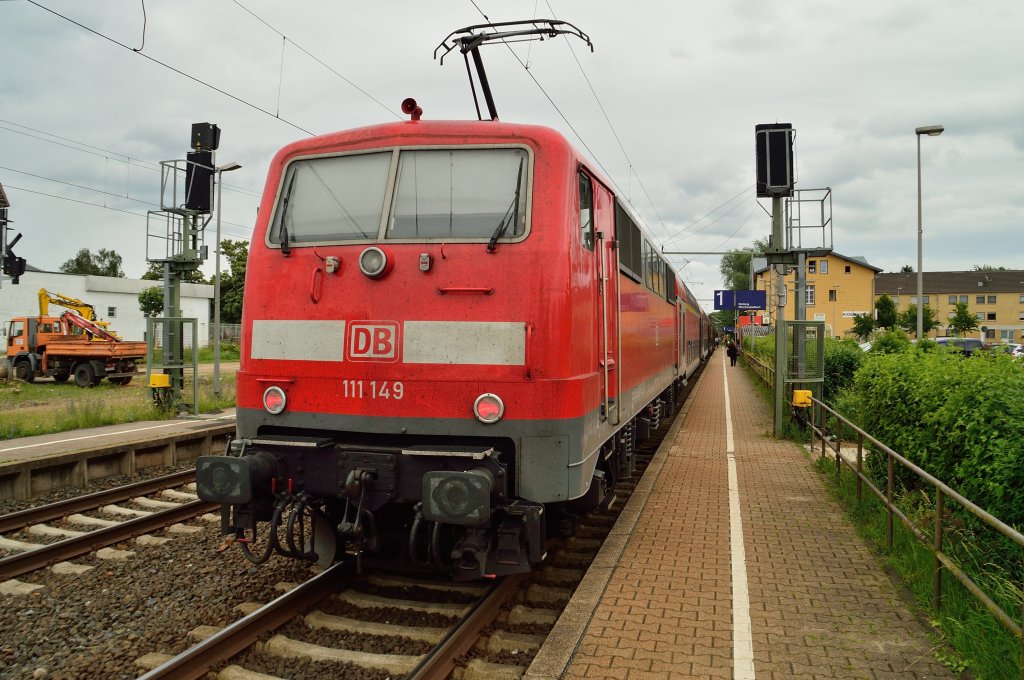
x: 115, y: 300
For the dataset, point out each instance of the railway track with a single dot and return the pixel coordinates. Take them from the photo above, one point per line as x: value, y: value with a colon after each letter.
x: 494, y: 636
x: 448, y: 646
x: 158, y: 514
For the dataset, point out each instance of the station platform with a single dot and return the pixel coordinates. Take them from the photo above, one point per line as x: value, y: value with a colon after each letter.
x: 40, y: 464
x: 731, y: 560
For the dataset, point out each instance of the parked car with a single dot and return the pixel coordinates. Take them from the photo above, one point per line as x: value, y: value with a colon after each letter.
x: 1013, y: 349
x: 967, y: 345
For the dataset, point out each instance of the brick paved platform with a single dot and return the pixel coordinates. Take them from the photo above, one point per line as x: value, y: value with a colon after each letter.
x: 666, y: 596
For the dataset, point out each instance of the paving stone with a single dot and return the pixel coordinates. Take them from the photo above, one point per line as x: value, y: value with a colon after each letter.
x: 820, y: 604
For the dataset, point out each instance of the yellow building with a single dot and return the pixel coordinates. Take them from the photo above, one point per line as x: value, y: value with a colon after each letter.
x: 836, y: 289
x: 995, y: 298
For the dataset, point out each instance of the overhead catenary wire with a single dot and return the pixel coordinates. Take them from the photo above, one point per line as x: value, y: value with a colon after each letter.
x: 123, y: 158
x: 107, y: 207
x: 611, y: 127
x: 191, y: 77
x: 536, y: 82
x: 632, y: 168
x: 316, y: 59
x: 685, y: 230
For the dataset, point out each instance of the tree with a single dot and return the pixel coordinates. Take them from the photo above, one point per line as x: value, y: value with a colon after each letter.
x: 987, y: 268
x: 963, y: 321
x: 735, y: 270
x: 151, y: 301
x: 155, y: 272
x: 232, y: 284
x: 906, y: 269
x: 863, y: 324
x: 104, y: 263
x: 907, y: 319
x: 885, y: 310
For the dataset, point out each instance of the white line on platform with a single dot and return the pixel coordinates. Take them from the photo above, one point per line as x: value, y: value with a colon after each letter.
x: 94, y: 436
x: 742, y: 635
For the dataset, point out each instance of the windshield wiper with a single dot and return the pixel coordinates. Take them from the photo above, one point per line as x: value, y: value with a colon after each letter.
x: 512, y: 209
x: 285, y: 250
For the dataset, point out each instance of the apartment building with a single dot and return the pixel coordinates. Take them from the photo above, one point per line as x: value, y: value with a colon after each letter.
x: 996, y: 298
x: 837, y: 288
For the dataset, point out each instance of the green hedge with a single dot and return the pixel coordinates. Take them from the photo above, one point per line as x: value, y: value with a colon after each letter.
x: 842, y: 360
x: 961, y: 419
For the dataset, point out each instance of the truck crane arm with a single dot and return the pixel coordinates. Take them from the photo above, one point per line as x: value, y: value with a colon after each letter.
x: 84, y: 309
x: 76, y: 319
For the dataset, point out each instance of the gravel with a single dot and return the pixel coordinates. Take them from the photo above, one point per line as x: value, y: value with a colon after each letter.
x: 96, y: 625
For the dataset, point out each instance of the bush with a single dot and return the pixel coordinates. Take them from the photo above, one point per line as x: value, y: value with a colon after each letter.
x: 891, y: 342
x: 960, y: 419
x: 842, y: 359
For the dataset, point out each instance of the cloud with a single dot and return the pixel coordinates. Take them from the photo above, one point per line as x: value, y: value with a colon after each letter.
x: 682, y: 85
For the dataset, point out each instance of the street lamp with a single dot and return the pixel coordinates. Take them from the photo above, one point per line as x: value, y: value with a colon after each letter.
x: 227, y: 167
x: 931, y: 131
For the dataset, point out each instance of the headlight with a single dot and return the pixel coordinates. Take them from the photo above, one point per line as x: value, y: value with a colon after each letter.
x: 374, y: 262
x: 274, y: 400
x: 488, y: 408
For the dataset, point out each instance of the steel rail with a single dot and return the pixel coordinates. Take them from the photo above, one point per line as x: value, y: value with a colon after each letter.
x: 439, y: 663
x: 196, y: 661
x: 22, y: 563
x: 45, y: 513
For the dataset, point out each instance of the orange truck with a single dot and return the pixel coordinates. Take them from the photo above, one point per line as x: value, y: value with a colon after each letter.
x: 70, y: 345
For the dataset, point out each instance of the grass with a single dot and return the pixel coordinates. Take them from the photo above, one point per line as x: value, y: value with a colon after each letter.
x: 47, y: 407
x: 982, y: 644
x: 228, y: 352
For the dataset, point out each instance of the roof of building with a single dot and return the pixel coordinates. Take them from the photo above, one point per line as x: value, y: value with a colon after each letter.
x: 761, y: 263
x: 1005, y: 281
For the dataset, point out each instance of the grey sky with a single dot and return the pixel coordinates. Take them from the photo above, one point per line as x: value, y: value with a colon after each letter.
x: 683, y: 85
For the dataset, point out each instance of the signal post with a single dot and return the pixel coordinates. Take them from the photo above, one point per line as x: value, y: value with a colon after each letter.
x: 175, y: 237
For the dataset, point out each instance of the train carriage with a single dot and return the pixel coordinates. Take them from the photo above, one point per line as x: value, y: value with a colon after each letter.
x: 451, y: 331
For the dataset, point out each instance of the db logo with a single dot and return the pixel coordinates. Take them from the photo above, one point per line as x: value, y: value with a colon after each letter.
x: 373, y: 341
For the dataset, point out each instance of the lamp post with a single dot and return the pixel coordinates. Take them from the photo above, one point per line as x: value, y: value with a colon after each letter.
x: 227, y: 167
x: 931, y: 131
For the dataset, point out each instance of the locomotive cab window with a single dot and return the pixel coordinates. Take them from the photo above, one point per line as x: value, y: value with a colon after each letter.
x: 459, y: 193
x: 332, y: 199
x: 586, y: 211
x: 413, y: 194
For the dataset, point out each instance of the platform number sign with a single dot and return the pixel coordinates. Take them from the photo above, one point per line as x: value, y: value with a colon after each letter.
x: 743, y: 300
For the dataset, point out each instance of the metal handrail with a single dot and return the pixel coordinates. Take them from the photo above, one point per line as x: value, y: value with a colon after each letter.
x: 765, y: 371
x: 942, y: 491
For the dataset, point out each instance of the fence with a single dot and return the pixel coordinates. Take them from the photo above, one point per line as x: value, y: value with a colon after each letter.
x: 229, y: 332
x: 820, y: 414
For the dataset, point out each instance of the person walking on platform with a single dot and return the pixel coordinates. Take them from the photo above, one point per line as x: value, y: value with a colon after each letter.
x: 732, y: 352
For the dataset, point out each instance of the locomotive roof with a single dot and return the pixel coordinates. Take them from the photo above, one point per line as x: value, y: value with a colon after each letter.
x: 428, y: 131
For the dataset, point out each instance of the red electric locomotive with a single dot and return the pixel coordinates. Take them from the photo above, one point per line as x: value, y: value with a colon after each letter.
x: 449, y: 330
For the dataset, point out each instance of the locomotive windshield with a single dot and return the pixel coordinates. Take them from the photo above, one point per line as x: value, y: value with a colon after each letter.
x: 451, y: 194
